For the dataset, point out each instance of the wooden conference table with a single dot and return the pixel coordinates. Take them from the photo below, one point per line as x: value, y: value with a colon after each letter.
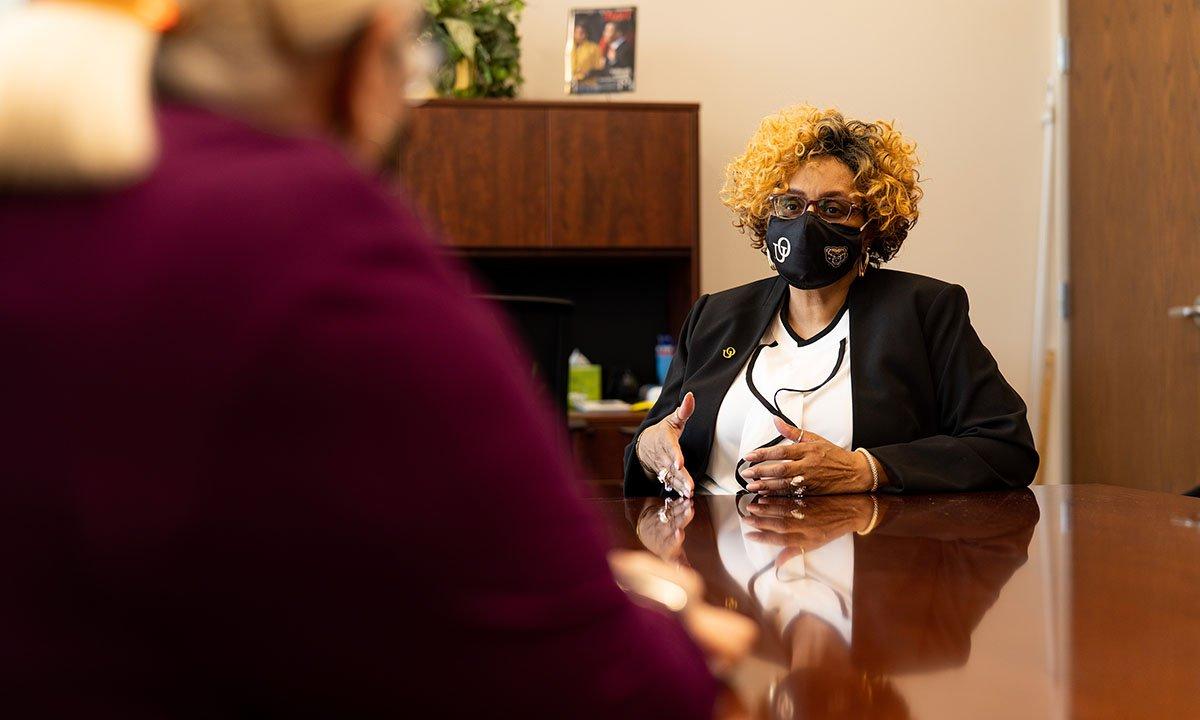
x: 1057, y: 602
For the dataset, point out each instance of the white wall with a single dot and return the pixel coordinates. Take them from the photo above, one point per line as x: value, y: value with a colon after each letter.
x: 966, y: 80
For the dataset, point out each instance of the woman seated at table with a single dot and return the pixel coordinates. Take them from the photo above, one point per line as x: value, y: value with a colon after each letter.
x: 835, y: 376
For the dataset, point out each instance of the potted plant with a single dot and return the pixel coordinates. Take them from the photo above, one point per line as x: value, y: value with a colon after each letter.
x: 481, y: 52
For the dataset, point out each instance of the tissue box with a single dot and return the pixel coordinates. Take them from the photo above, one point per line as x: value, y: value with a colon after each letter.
x: 584, y: 381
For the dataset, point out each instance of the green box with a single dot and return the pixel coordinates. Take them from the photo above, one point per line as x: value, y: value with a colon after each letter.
x: 584, y: 380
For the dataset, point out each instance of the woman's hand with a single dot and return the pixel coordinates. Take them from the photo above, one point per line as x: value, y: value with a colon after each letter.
x: 801, y: 526
x: 810, y: 466
x: 659, y: 453
x: 661, y: 524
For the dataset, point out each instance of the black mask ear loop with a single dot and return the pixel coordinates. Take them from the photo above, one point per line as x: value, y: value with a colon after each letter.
x: 773, y: 407
x: 742, y: 495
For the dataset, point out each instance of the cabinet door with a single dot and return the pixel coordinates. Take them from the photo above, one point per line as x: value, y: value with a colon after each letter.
x: 480, y: 174
x: 623, y: 178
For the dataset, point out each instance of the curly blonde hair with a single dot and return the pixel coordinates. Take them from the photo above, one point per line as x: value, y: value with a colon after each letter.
x: 883, y: 161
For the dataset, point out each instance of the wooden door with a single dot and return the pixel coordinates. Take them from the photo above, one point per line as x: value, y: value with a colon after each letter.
x: 1135, y: 242
x: 480, y: 172
x: 623, y: 178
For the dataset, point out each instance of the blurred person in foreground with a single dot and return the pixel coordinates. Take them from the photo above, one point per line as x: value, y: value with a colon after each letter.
x: 241, y: 391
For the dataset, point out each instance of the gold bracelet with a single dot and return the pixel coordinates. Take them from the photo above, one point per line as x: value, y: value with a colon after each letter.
x: 874, y: 517
x: 874, y: 469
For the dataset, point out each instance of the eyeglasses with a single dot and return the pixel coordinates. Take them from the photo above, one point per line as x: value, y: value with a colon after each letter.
x: 789, y: 207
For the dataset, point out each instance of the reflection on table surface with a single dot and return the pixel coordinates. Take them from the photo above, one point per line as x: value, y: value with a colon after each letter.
x: 968, y: 605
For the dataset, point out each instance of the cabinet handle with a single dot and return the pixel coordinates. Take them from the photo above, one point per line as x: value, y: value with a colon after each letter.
x: 1187, y: 311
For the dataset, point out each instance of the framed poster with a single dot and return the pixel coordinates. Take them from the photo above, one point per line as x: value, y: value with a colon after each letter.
x: 600, y: 50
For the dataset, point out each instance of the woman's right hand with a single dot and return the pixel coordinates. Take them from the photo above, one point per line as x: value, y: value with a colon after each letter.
x: 659, y: 453
x: 661, y: 526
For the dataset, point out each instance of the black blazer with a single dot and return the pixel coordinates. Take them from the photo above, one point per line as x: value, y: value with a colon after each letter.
x: 928, y: 400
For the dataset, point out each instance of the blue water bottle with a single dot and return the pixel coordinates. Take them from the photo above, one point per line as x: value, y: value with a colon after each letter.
x: 664, y: 352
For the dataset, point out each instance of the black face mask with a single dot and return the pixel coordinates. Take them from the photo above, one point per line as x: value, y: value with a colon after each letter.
x: 810, y: 252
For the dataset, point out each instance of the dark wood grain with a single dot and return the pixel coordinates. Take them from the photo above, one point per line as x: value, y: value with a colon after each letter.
x: 480, y: 173
x: 1135, y: 243
x: 1135, y: 613
x: 623, y: 178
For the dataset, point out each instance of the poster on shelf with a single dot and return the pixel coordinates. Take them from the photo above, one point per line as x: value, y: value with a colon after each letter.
x: 600, y: 50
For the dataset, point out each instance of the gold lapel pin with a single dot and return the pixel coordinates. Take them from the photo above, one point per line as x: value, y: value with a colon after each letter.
x: 728, y: 352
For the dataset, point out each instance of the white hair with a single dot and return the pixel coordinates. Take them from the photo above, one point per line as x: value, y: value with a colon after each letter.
x: 77, y: 79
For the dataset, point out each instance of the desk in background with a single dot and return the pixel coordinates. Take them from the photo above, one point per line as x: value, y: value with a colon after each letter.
x: 598, y: 441
x: 1060, y: 602
x: 596, y: 203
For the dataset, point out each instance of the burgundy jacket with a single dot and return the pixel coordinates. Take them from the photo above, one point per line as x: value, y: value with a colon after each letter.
x: 259, y: 455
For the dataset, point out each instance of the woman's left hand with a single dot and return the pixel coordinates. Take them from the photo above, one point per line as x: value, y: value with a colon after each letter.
x: 800, y: 526
x: 811, y: 465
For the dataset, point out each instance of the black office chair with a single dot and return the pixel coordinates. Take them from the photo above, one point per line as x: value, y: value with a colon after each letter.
x: 545, y: 328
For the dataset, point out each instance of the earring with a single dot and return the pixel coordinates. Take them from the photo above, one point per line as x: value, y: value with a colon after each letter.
x: 862, y: 266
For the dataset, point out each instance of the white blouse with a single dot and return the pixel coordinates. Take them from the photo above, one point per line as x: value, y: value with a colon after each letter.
x: 780, y: 371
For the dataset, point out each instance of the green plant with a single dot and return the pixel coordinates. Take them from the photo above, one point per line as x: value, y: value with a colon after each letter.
x: 480, y: 46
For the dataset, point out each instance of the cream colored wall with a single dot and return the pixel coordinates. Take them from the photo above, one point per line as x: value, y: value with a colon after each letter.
x: 964, y: 79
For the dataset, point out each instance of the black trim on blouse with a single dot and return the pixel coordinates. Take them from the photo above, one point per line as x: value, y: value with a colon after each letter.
x: 801, y: 342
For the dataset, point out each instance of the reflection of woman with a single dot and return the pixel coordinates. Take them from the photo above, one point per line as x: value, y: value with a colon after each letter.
x: 850, y: 590
x: 835, y: 376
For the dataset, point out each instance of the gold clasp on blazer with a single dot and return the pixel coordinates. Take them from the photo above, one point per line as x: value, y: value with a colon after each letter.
x: 728, y: 352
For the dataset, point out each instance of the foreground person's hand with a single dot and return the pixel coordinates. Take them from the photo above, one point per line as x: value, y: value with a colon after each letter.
x: 724, y: 636
x: 659, y: 453
x: 809, y: 465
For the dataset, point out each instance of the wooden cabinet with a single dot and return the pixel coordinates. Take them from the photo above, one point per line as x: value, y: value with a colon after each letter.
x: 480, y: 174
x: 622, y: 178
x: 592, y: 202
x: 574, y: 176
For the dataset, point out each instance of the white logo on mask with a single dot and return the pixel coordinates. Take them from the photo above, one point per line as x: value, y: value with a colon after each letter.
x: 783, y: 248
